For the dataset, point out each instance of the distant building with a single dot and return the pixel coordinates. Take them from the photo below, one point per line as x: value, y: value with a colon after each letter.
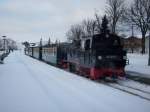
x: 1, y: 44
x: 132, y: 44
x: 147, y: 44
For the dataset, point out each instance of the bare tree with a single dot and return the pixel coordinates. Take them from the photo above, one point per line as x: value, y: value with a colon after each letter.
x: 139, y: 14
x: 11, y: 44
x: 49, y: 42
x: 74, y: 34
x: 89, y: 27
x: 26, y: 44
x: 115, y: 11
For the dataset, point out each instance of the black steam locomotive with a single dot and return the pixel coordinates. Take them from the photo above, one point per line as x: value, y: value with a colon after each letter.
x: 98, y: 56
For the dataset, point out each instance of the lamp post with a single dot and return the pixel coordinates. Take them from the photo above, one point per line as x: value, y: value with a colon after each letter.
x: 40, y: 50
x: 4, y: 46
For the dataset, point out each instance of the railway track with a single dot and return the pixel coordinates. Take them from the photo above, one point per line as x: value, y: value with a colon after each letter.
x: 133, y: 87
x: 147, y: 92
x: 133, y: 90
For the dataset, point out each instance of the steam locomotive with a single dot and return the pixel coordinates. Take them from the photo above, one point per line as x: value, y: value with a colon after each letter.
x: 97, y: 56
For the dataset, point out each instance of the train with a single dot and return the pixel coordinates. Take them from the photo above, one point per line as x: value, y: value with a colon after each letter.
x: 97, y: 56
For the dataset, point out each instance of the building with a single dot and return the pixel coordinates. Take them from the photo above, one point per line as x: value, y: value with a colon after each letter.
x: 1, y: 44
x: 132, y: 44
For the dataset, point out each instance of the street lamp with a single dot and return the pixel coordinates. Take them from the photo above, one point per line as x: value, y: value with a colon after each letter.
x: 40, y: 50
x: 4, y: 46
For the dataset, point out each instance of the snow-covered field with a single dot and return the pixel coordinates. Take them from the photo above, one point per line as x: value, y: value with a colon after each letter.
x: 28, y: 85
x: 138, y: 63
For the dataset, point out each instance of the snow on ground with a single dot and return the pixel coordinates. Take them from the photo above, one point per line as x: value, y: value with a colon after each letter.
x: 28, y: 85
x: 138, y: 63
x: 1, y: 52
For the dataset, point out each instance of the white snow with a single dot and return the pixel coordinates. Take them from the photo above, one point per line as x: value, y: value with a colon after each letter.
x: 28, y: 85
x: 1, y: 52
x: 138, y: 63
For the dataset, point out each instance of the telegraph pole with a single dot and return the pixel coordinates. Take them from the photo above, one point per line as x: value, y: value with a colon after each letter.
x: 149, y: 43
x: 149, y: 50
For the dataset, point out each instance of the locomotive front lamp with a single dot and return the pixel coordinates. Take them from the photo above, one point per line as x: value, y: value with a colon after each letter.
x: 99, y: 57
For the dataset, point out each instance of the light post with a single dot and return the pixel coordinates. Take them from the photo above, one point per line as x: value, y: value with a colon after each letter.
x: 40, y: 50
x: 4, y: 46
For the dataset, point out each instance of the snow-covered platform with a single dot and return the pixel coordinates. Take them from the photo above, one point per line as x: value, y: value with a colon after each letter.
x: 28, y: 85
x: 138, y: 65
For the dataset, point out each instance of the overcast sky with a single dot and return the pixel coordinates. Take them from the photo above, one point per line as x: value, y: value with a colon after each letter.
x: 32, y: 19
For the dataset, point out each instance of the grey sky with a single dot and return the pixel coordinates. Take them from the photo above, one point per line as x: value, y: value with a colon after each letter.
x: 30, y: 19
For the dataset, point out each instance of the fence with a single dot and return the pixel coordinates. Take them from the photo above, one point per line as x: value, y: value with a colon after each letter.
x: 3, y: 54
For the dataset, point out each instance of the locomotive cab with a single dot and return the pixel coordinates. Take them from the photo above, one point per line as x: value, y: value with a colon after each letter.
x: 86, y: 43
